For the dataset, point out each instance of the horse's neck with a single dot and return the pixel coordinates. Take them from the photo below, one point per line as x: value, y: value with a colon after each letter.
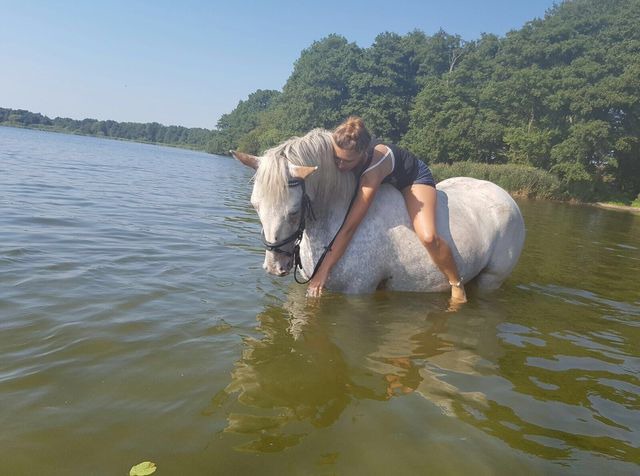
x: 322, y: 230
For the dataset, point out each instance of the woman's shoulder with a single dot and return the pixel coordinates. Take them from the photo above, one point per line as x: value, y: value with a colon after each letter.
x: 379, y: 149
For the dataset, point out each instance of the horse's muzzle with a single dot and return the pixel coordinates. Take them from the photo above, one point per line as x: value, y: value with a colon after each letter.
x: 277, y: 264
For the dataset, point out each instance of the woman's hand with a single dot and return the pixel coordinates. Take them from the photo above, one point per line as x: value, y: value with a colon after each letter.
x: 316, y: 285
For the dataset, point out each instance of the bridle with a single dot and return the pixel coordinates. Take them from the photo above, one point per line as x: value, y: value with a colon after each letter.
x: 296, y: 236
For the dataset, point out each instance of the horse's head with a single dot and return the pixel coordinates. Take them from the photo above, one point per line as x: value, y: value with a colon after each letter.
x: 288, y: 178
x: 281, y: 212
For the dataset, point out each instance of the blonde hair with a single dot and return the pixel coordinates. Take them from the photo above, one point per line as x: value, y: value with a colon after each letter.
x: 352, y: 135
x: 327, y: 185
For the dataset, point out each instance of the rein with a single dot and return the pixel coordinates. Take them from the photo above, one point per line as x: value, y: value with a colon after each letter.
x: 296, y: 237
x: 326, y: 248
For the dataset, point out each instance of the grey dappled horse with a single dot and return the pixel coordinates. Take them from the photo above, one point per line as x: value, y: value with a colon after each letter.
x: 301, y: 196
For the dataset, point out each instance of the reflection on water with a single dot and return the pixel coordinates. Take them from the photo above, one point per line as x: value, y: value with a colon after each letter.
x: 136, y: 324
x: 539, y: 381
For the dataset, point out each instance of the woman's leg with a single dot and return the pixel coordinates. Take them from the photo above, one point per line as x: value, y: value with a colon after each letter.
x: 421, y: 203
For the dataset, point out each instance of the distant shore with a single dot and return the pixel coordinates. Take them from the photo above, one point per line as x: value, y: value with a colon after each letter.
x: 610, y: 206
x: 123, y: 139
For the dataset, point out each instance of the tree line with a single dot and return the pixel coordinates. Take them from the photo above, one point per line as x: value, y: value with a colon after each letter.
x: 193, y: 138
x: 561, y: 94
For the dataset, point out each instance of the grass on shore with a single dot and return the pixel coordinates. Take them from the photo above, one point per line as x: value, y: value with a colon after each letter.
x: 518, y: 180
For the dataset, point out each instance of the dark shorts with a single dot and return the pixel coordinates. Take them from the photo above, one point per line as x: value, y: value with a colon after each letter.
x: 424, y: 175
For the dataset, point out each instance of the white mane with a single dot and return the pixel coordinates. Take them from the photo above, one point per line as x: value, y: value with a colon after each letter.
x: 326, y: 185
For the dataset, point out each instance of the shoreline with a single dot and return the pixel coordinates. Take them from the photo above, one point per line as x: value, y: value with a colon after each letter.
x: 70, y: 133
x: 604, y: 205
x: 611, y: 206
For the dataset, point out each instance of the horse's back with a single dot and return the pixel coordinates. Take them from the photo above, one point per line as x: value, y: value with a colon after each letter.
x: 479, y: 220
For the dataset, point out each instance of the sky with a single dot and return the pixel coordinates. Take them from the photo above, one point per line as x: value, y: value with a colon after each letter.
x: 188, y: 62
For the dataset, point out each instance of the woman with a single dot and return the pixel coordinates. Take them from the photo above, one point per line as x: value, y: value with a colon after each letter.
x: 378, y: 163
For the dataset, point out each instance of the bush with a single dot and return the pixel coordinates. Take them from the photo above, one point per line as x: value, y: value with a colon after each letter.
x: 516, y: 179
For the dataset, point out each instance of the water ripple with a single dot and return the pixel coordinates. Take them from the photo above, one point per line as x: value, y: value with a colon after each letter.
x: 136, y: 320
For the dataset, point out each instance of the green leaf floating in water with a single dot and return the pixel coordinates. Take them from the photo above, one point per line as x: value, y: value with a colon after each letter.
x: 143, y: 469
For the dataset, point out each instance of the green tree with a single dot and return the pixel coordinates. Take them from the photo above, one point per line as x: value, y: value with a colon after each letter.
x: 232, y: 127
x: 318, y: 88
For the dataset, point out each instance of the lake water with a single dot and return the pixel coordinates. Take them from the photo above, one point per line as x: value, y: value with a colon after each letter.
x: 136, y: 323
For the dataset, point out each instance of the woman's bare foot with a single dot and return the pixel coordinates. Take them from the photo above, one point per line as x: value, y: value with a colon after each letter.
x: 458, y: 297
x: 458, y: 294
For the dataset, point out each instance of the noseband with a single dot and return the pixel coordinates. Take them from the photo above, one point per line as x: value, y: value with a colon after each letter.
x: 296, y: 236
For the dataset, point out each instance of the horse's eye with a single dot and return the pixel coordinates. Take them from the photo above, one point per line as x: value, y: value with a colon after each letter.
x: 293, y: 216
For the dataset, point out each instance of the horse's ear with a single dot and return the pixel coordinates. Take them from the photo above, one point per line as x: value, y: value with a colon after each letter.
x: 301, y: 171
x: 247, y: 159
